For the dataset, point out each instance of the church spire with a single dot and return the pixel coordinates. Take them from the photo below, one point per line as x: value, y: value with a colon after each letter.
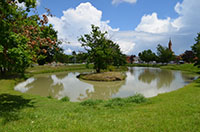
x: 170, y: 45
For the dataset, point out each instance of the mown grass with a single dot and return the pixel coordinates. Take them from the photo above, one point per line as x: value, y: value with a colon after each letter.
x: 175, y: 111
x: 183, y: 67
x: 144, y: 65
x: 51, y: 69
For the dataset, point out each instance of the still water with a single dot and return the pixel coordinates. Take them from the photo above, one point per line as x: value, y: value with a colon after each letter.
x: 147, y: 81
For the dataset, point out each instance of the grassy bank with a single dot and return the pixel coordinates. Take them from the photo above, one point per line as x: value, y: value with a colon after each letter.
x: 51, y: 69
x: 144, y: 65
x: 175, y: 111
x: 183, y: 67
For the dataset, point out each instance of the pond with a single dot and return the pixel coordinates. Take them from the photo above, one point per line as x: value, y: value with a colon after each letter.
x: 144, y: 80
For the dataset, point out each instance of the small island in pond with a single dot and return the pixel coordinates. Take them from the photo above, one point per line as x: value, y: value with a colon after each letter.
x: 104, y: 76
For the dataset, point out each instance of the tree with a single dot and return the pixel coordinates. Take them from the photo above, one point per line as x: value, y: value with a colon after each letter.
x: 131, y: 59
x: 164, y: 54
x: 188, y: 56
x: 101, y: 51
x: 74, y: 56
x: 196, y: 50
x: 61, y: 57
x: 23, y: 38
x: 147, y: 56
x: 81, y: 57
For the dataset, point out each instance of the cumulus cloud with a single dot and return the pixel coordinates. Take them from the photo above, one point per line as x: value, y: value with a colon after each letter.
x: 183, y: 29
x: 150, y: 32
x: 121, y: 1
x: 152, y: 24
x: 38, y: 2
x: 189, y: 16
x: 76, y: 22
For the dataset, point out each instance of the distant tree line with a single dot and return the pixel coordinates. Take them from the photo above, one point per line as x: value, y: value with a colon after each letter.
x: 165, y: 55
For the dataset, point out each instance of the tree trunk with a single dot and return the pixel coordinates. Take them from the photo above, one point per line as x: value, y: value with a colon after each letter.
x: 98, y: 70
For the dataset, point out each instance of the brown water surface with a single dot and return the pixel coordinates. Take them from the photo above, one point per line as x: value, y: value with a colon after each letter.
x: 147, y: 81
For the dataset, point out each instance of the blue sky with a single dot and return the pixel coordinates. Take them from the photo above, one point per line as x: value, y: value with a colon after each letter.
x: 135, y: 25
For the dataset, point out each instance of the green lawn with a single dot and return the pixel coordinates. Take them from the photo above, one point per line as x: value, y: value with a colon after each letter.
x: 175, y: 111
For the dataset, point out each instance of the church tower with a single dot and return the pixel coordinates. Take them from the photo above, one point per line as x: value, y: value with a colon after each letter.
x: 170, y: 45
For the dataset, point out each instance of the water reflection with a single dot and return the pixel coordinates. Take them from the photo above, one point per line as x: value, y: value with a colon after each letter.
x: 147, y: 76
x: 165, y: 78
x: 104, y: 90
x: 147, y: 81
x: 162, y: 77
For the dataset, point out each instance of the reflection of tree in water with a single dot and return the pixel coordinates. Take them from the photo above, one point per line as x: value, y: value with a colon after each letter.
x: 103, y: 90
x: 62, y: 75
x: 147, y: 76
x: 187, y: 77
x: 131, y: 70
x: 41, y: 86
x: 165, y: 78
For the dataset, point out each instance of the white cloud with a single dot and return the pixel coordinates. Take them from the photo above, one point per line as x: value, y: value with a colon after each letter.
x: 68, y: 51
x: 150, y: 32
x: 126, y: 46
x: 23, y: 6
x: 189, y: 16
x: 182, y: 30
x: 38, y: 2
x: 121, y: 1
x: 152, y: 24
x: 76, y: 22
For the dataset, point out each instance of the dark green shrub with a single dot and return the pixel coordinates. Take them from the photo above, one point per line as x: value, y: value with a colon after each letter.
x: 65, y: 99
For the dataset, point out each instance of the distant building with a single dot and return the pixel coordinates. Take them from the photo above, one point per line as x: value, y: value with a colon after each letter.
x: 170, y: 45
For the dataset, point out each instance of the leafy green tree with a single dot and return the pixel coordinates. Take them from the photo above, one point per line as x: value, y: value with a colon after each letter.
x: 147, y: 56
x: 131, y: 59
x: 196, y: 50
x: 81, y: 57
x: 23, y: 39
x: 14, y: 55
x: 101, y: 51
x: 164, y: 54
x: 188, y: 56
x: 61, y: 57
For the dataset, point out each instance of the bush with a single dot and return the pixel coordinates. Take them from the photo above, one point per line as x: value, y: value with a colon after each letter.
x: 137, y: 98
x: 115, y: 102
x: 65, y: 99
x: 91, y: 102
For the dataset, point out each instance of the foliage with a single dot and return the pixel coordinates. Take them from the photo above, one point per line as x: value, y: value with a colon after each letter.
x: 131, y: 59
x: 147, y: 56
x: 65, y: 99
x: 81, y: 57
x: 188, y: 56
x: 196, y: 50
x: 61, y: 57
x: 23, y: 38
x: 101, y: 51
x: 91, y: 102
x: 164, y: 54
x: 137, y: 98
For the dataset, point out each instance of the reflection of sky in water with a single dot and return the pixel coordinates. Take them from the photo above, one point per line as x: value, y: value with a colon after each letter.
x: 147, y: 81
x: 72, y: 87
x: 22, y: 87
